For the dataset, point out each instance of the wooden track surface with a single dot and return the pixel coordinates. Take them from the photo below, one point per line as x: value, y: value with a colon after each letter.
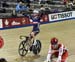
x: 64, y: 31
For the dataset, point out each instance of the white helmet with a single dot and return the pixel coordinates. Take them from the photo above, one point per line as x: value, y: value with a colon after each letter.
x: 35, y: 11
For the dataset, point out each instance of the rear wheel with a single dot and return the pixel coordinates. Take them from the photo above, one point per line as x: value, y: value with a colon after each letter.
x: 22, y: 48
x: 36, y: 48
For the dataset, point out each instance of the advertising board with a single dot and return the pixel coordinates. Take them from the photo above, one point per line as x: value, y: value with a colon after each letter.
x: 60, y: 16
x: 1, y: 26
x: 12, y: 22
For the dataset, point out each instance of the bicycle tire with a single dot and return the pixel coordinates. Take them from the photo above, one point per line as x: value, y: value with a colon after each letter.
x: 37, y: 48
x: 22, y: 50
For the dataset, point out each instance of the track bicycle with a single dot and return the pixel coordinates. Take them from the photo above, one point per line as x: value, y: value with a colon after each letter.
x: 27, y: 45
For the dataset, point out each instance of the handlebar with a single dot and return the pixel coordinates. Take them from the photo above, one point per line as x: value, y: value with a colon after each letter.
x: 22, y: 36
x: 26, y: 37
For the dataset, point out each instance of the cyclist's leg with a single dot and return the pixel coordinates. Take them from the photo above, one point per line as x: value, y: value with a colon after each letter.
x: 54, y: 55
x: 36, y: 32
x: 64, y: 57
x: 33, y: 34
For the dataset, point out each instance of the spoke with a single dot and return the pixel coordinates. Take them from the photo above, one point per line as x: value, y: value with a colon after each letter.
x: 23, y: 52
x: 21, y: 49
x: 22, y: 45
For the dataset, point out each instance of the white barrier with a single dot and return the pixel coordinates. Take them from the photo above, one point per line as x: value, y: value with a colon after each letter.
x: 61, y: 16
x: 1, y: 24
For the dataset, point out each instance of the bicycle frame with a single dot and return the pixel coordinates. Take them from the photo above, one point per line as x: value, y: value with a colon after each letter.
x: 27, y: 40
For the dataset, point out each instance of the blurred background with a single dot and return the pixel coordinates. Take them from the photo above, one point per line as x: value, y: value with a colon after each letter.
x: 13, y: 8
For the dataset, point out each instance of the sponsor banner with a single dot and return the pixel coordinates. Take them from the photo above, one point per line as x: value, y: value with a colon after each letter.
x: 45, y: 18
x: 60, y: 16
x: 11, y: 22
x: 1, y: 25
x: 73, y: 14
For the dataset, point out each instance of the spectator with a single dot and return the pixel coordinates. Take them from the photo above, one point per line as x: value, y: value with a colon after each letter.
x: 56, y: 10
x: 74, y: 2
x: 64, y: 2
x: 48, y: 10
x: 14, y: 14
x: 28, y: 5
x: 21, y: 7
x: 42, y: 7
x: 73, y: 7
x: 71, y: 0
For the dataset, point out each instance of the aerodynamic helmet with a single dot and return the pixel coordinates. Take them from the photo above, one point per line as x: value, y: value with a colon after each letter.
x: 54, y: 41
x: 35, y: 11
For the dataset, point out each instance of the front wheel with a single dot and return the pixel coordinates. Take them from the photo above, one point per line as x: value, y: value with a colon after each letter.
x: 36, y: 48
x: 22, y: 48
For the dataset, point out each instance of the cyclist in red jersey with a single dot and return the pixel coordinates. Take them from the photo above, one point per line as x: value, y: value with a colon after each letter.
x: 57, y: 50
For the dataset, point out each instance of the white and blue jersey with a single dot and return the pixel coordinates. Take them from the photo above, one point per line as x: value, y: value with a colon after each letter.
x: 36, y: 23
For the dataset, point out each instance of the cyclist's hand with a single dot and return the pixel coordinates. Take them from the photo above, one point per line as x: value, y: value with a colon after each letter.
x: 59, y: 59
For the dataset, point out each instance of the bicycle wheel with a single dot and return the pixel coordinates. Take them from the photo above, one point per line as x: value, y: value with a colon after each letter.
x: 22, y: 48
x: 37, y: 48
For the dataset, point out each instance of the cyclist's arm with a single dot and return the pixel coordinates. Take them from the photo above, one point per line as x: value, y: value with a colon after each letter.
x: 49, y: 55
x: 60, y: 53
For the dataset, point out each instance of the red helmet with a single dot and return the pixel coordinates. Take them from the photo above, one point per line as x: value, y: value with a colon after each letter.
x: 54, y: 41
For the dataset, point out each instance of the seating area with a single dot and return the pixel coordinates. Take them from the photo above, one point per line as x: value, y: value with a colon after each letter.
x: 7, y: 8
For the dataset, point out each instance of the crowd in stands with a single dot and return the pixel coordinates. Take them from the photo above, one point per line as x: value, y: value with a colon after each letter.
x: 23, y: 7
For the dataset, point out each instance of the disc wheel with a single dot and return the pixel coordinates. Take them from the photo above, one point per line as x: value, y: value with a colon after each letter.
x: 37, y: 48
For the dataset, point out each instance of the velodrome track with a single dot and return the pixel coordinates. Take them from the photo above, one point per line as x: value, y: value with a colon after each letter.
x: 64, y: 31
